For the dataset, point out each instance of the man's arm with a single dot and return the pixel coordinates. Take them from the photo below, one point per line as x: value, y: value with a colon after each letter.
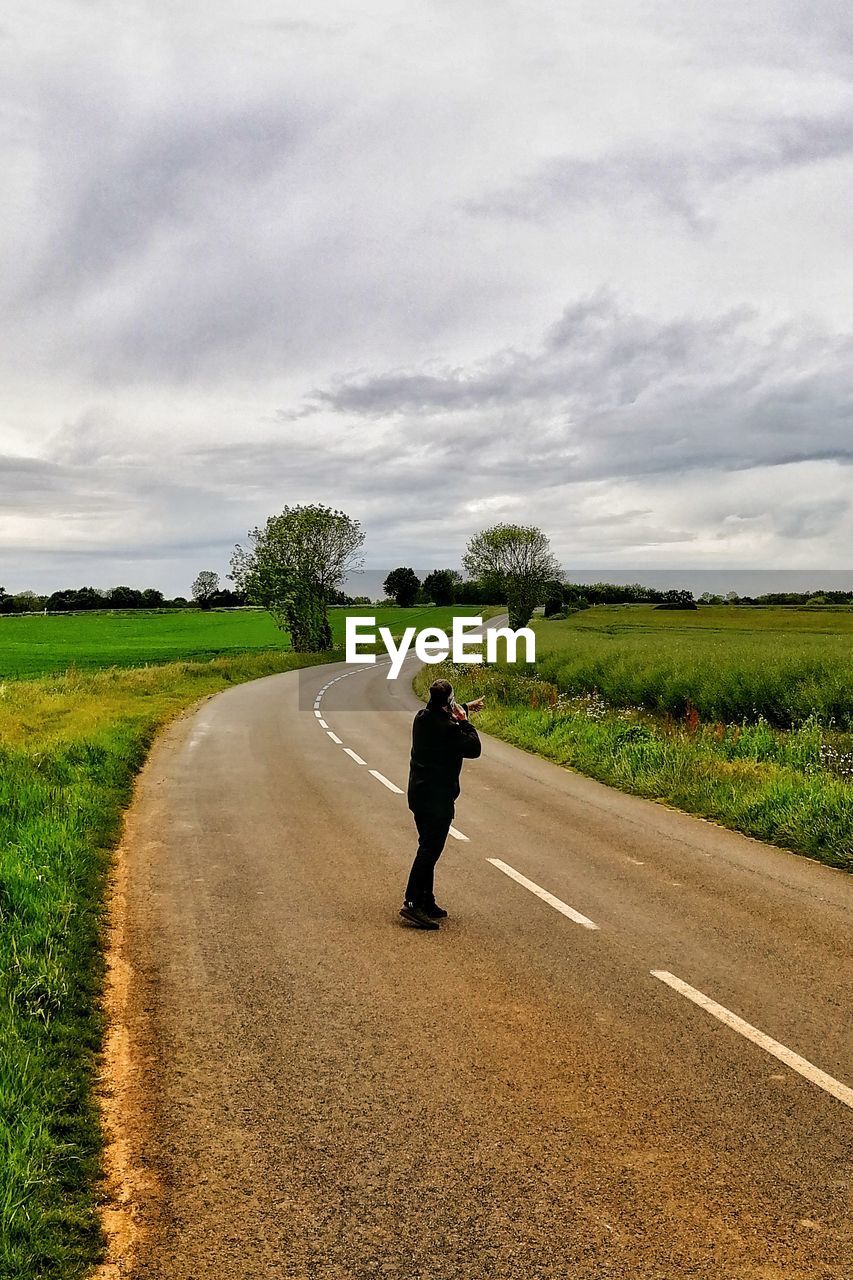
x: 470, y: 745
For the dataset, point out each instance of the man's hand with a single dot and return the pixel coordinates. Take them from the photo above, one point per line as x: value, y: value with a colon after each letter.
x: 476, y: 705
x: 458, y: 712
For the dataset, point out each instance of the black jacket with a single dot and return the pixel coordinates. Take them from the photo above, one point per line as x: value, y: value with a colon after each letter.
x: 439, y: 745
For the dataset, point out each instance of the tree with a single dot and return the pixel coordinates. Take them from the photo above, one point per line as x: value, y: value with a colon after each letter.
x: 7, y: 603
x: 76, y: 598
x: 205, y: 586
x: 292, y: 565
x: 28, y: 602
x: 473, y: 592
x: 515, y: 561
x: 123, y: 598
x: 440, y: 586
x: 402, y: 585
x: 676, y: 599
x: 553, y: 598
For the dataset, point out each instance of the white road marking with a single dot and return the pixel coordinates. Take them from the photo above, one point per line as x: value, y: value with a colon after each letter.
x: 457, y: 835
x: 319, y: 715
x: 636, y: 862
x: 349, y: 751
x: 380, y: 777
x: 334, y: 737
x: 562, y: 907
x: 323, y: 724
x: 793, y: 1060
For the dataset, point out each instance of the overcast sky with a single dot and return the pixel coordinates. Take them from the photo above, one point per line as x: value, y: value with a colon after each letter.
x: 587, y: 265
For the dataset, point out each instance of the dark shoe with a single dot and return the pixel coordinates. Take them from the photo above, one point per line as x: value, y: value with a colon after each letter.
x: 435, y: 912
x: 417, y: 916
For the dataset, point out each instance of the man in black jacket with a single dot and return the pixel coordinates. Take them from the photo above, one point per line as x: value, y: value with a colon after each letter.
x: 442, y: 738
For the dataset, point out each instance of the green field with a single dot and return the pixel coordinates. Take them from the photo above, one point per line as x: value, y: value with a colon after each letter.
x: 742, y: 715
x: 731, y: 664
x: 33, y: 645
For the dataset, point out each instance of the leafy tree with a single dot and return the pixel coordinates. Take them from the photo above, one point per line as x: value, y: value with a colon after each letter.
x: 402, y: 585
x: 225, y: 599
x: 515, y: 561
x: 205, y: 586
x: 73, y: 599
x: 123, y: 598
x: 440, y: 586
x: 553, y: 597
x: 7, y: 603
x: 28, y: 602
x: 152, y: 598
x: 473, y: 592
x: 292, y: 565
x: 676, y: 599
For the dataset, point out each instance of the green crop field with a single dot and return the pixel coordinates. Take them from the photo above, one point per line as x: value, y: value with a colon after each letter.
x: 743, y: 715
x: 731, y: 664
x: 34, y: 645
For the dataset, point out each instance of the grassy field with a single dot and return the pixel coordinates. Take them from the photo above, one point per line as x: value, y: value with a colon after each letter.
x: 740, y: 715
x: 33, y: 645
x: 730, y: 664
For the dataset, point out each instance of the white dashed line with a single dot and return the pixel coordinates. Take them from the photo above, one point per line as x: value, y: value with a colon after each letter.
x: 380, y: 777
x: 843, y: 1093
x: 793, y: 1060
x: 562, y: 907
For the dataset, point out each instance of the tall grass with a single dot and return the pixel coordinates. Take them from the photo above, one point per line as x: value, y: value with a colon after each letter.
x: 789, y: 788
x: 730, y: 664
x: 69, y: 749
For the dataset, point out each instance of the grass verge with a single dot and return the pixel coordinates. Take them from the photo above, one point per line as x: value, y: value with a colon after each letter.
x: 70, y: 747
x: 788, y: 788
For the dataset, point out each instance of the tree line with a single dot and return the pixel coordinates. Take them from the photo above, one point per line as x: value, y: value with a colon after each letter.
x: 82, y: 599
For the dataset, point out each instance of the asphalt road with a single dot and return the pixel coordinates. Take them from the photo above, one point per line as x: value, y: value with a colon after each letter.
x: 324, y: 1092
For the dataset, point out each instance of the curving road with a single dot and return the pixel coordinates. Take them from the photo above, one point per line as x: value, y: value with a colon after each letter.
x: 626, y: 1054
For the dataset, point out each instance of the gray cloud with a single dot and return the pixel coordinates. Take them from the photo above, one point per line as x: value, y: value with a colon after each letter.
x: 679, y: 182
x: 610, y: 393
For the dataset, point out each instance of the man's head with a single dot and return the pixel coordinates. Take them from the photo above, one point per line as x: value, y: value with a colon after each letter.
x: 440, y: 695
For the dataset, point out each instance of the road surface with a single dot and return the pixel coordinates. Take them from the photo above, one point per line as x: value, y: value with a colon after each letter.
x: 627, y: 1053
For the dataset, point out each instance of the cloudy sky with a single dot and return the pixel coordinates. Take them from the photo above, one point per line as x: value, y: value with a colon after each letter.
x: 586, y: 265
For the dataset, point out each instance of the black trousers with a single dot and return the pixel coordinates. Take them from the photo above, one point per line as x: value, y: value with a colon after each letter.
x: 433, y: 825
